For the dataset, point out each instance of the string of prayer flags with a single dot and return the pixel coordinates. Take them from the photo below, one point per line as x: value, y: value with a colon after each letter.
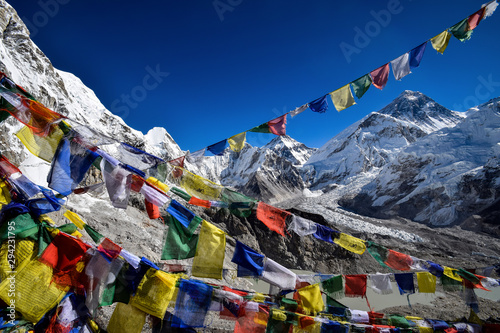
x: 249, y: 261
x: 461, y: 30
x: 440, y: 42
x: 342, y: 98
x: 401, y: 66
x: 405, y: 283
x: 192, y: 303
x: 360, y: 86
x: 355, y: 285
x: 380, y: 76
x: 301, y: 226
x: 381, y: 283
x: 426, y: 282
x: 218, y: 148
x: 334, y: 287
x: 299, y: 110
x: 126, y: 319
x: 350, y: 243
x: 209, y: 258
x: 278, y: 275
x: 319, y: 105
x: 311, y: 299
x: 155, y: 292
x: 180, y: 243
x: 31, y: 113
x: 237, y: 142
x: 417, y: 54
x: 274, y: 218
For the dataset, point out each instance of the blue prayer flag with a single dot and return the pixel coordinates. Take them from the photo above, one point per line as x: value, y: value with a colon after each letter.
x: 319, y: 105
x: 416, y: 55
x: 218, y: 148
x: 323, y: 233
x: 181, y: 213
x: 405, y: 283
x: 250, y: 262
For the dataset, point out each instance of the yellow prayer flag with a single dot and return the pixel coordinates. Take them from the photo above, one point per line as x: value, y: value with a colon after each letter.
x: 24, y: 251
x: 154, y: 292
x: 42, y: 147
x: 237, y: 142
x: 312, y: 301
x: 200, y: 187
x: 342, y: 98
x: 279, y: 315
x: 75, y: 219
x: 426, y: 282
x: 351, y: 243
x: 259, y: 298
x: 45, y: 218
x: 4, y: 194
x: 155, y: 182
x: 452, y: 273
x: 126, y: 319
x: 35, y: 292
x: 440, y: 42
x: 209, y: 257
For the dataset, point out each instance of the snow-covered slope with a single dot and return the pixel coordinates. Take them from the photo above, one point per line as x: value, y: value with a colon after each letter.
x: 370, y: 143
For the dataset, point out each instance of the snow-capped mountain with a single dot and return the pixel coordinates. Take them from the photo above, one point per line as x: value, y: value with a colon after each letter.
x: 367, y: 145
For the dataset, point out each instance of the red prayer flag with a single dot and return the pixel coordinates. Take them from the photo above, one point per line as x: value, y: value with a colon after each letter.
x: 374, y: 317
x: 252, y: 322
x: 278, y: 126
x: 109, y: 248
x: 355, y: 285
x: 274, y: 218
x: 199, y: 202
x: 398, y: 261
x: 153, y: 210
x: 305, y: 322
x: 7, y: 168
x: 380, y: 76
x: 179, y: 162
x: 137, y: 183
x: 475, y: 18
x: 63, y: 252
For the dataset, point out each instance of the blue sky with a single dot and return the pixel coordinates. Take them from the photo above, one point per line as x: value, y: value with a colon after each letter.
x: 234, y: 64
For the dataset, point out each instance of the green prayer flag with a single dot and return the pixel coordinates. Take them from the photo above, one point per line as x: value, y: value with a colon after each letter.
x: 450, y: 284
x: 264, y: 128
x: 334, y: 287
x: 276, y: 326
x: 398, y: 321
x: 21, y: 226
x: 96, y: 237
x: 68, y: 228
x: 461, y: 30
x: 181, y: 193
x: 180, y: 242
x: 361, y: 85
x: 44, y: 239
x: 289, y: 304
x: 239, y: 204
x: 378, y: 252
x: 107, y: 295
x: 333, y: 303
x: 468, y: 276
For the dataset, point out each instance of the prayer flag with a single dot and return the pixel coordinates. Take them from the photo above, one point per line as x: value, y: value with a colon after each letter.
x: 355, y: 285
x: 237, y: 142
x: 63, y: 253
x: 200, y: 187
x: 475, y: 18
x: 461, y: 30
x: 137, y: 158
x: 75, y: 218
x: 319, y: 105
x: 342, y: 98
x: 152, y: 210
x: 262, y: 128
x: 69, y: 166
x: 196, y: 157
x: 274, y: 218
x: 96, y: 237
x: 489, y: 8
x: 323, y: 233
x: 298, y: 110
x: 434, y: 268
x: 381, y: 283
x: 301, y: 226
x: 180, y: 243
x: 380, y: 76
x: 181, y: 193
x: 405, y: 283
x: 118, y: 183
x: 440, y: 42
x: 199, y: 202
x: 401, y: 66
x: 378, y: 252
x: 334, y: 287
x: 126, y: 319
x: 238, y: 204
x: 426, y: 282
x: 209, y: 257
x: 4, y: 194
x: 398, y: 261
x: 416, y: 55
x: 192, y: 303
x: 452, y: 274
x: 178, y: 162
x: 218, y: 148
x: 42, y: 147
x: 247, y: 258
x: 155, y: 292
x: 278, y: 126
x: 350, y: 243
x: 108, y: 247
x: 361, y: 85
x: 278, y: 275
x: 181, y: 213
x: 311, y: 299
x: 158, y: 184
x: 154, y: 194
